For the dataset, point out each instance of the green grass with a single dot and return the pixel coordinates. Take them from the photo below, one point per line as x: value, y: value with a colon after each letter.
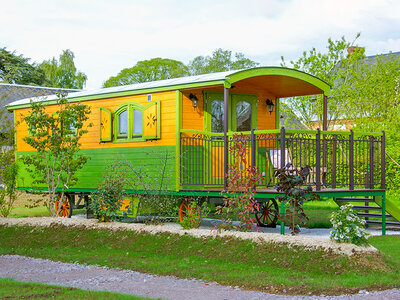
x: 389, y: 244
x: 319, y: 213
x: 23, y: 212
x: 11, y: 289
x: 266, y: 267
x: 39, y: 211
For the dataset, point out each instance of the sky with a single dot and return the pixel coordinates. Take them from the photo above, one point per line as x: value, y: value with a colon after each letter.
x: 107, y: 36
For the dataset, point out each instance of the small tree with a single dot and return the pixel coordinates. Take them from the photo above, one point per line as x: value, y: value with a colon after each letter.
x: 292, y: 183
x: 242, y: 177
x: 55, y: 137
x: 8, y: 167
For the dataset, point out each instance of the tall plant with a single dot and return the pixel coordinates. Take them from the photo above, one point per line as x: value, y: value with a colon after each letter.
x: 292, y: 183
x: 8, y: 167
x: 55, y: 137
x: 106, y: 201
x: 239, y: 199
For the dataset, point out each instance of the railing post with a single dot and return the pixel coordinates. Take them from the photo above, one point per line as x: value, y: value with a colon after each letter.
x: 283, y: 142
x: 318, y: 160
x: 253, y: 152
x: 253, y: 148
x: 383, y: 161
x: 334, y: 145
x: 384, y: 214
x: 371, y: 162
x: 282, y: 213
x: 351, y: 160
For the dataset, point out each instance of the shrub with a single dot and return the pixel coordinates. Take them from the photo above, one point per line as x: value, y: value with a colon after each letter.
x: 152, y: 181
x: 194, y: 213
x: 348, y: 227
x: 107, y: 200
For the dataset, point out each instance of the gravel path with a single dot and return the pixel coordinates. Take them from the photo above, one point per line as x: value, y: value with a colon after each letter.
x: 129, y: 282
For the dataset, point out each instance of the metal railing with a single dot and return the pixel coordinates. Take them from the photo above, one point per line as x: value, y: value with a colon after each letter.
x: 337, y: 160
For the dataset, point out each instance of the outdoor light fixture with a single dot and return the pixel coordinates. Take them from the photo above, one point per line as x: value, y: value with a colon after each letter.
x: 194, y: 100
x: 270, y: 105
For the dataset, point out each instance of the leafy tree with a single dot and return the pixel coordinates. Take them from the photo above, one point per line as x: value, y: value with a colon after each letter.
x: 148, y: 70
x: 221, y: 60
x: 62, y: 73
x: 325, y: 66
x: 365, y: 91
x: 55, y: 137
x: 163, y: 68
x: 16, y: 69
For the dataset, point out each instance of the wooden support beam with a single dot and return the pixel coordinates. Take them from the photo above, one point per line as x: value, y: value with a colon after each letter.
x: 226, y: 119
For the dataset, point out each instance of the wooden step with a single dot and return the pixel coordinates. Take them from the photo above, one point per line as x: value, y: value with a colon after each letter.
x: 393, y: 228
x: 354, y: 200
x: 372, y: 215
x: 379, y: 222
x: 359, y: 207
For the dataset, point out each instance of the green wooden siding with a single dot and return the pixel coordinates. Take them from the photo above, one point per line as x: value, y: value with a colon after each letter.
x: 148, y: 159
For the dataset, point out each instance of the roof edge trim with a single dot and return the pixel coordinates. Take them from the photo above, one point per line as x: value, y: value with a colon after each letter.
x: 262, y: 71
x: 72, y: 98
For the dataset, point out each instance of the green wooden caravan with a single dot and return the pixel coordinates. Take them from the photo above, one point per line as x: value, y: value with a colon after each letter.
x: 193, y: 120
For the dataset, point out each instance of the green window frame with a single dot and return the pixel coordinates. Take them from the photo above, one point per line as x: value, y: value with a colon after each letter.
x: 134, y: 123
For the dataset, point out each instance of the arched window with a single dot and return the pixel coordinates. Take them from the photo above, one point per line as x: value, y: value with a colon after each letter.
x: 129, y: 122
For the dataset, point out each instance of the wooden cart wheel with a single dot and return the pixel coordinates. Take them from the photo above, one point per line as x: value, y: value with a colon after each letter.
x: 65, y: 210
x: 185, y: 210
x: 267, y: 214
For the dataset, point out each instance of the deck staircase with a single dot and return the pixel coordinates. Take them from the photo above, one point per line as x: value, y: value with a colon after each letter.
x: 370, y: 209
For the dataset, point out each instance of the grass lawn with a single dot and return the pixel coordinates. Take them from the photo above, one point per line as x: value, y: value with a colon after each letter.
x: 389, y: 244
x: 11, y: 289
x: 319, y: 213
x: 229, y: 261
x: 23, y: 212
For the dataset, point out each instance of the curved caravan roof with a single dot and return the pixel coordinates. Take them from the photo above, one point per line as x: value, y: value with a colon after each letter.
x: 282, y: 82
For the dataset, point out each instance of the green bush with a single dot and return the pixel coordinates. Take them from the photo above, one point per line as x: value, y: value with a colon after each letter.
x: 107, y: 200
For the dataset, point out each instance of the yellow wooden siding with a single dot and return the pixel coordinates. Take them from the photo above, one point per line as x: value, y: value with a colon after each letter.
x: 192, y: 118
x: 265, y: 119
x: 91, y: 139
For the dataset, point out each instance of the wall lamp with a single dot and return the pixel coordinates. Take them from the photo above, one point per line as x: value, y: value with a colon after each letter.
x: 270, y: 105
x: 194, y: 100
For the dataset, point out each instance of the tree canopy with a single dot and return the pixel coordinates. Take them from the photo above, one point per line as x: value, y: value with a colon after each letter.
x: 365, y: 92
x: 163, y: 68
x: 220, y: 60
x: 148, y: 70
x: 16, y: 69
x: 62, y: 73
x: 324, y: 65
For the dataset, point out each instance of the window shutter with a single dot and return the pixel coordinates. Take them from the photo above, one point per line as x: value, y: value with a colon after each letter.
x: 105, y: 123
x: 151, y: 121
